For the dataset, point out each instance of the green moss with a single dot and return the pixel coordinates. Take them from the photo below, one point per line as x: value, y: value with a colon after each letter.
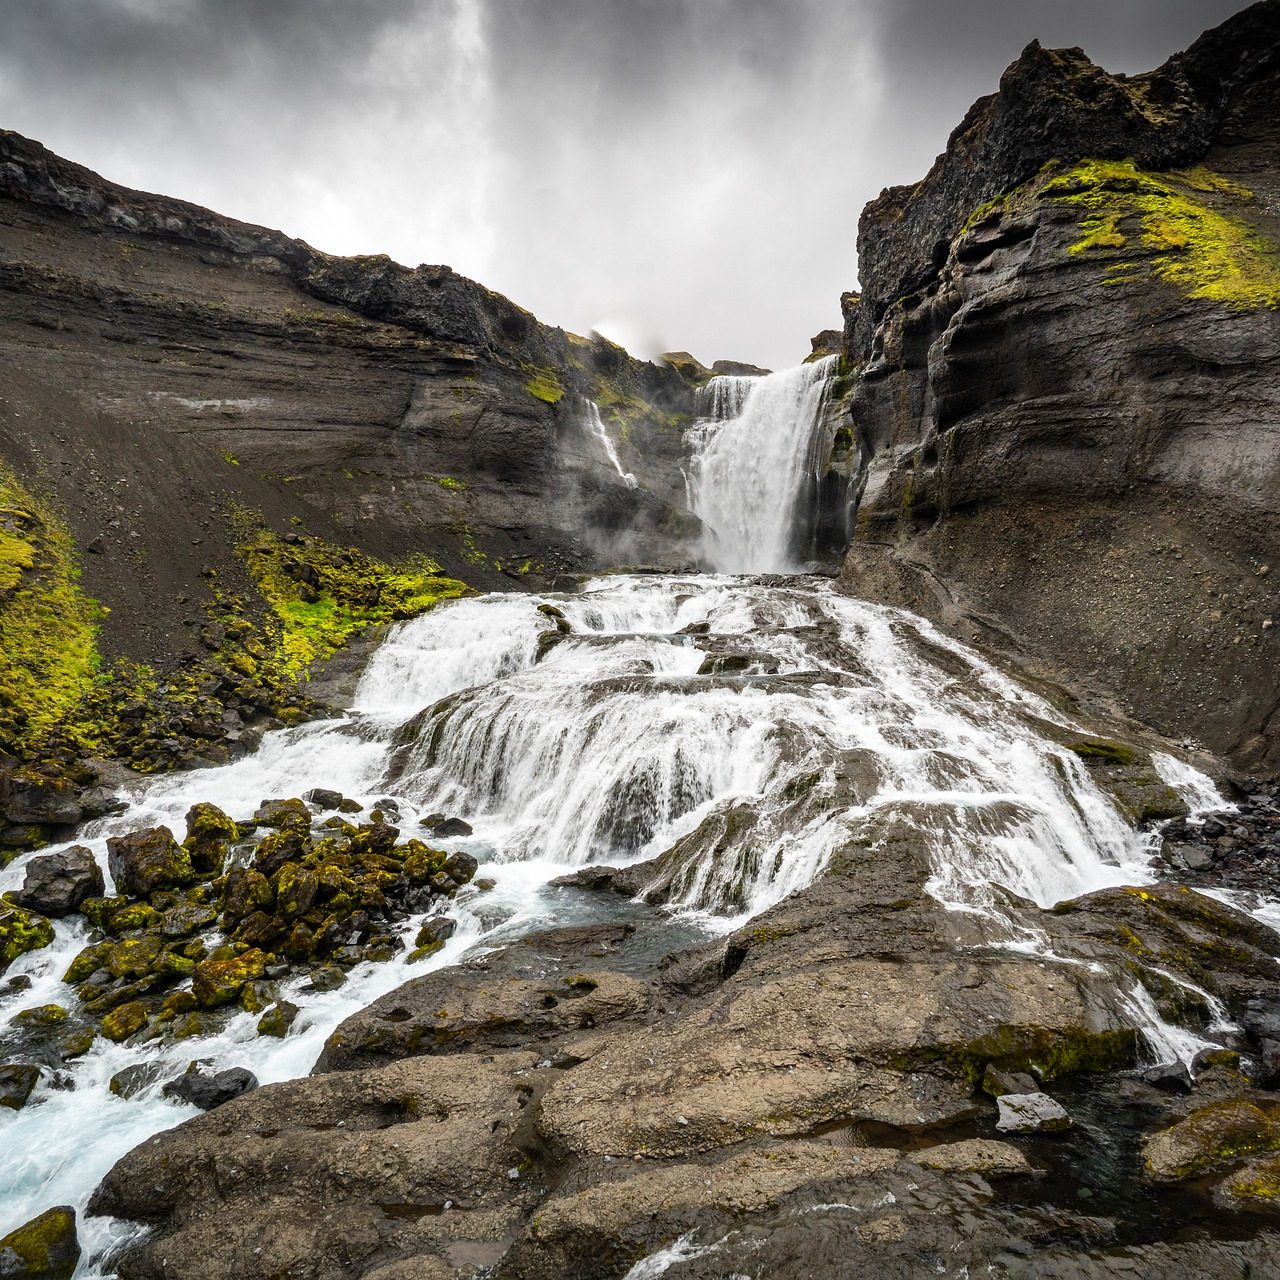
x: 543, y: 384
x: 984, y: 211
x: 45, y: 1248
x: 1187, y: 219
x: 21, y: 931
x: 1261, y: 1182
x: 48, y: 626
x: 323, y: 595
x: 1105, y: 751
x: 447, y: 482
x: 125, y: 1020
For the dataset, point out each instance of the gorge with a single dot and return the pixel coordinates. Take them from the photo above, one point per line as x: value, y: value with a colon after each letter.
x: 571, y: 816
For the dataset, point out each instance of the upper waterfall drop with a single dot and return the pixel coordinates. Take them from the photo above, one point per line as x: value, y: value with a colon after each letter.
x: 751, y: 451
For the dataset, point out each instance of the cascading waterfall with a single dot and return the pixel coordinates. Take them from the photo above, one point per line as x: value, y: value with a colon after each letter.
x: 674, y: 705
x: 751, y: 452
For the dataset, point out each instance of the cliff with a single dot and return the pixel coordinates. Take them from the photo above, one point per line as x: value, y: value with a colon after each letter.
x: 178, y: 389
x: 1069, y: 393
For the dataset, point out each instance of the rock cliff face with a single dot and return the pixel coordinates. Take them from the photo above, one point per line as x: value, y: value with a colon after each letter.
x: 1068, y: 413
x: 161, y: 365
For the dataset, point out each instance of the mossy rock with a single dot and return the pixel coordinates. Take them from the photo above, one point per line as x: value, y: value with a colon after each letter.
x: 144, y: 861
x: 125, y: 1020
x: 209, y: 832
x: 219, y: 982
x: 46, y: 1248
x: 283, y: 815
x: 77, y: 1044
x: 17, y: 1081
x: 244, y: 891
x: 41, y: 1015
x: 1212, y: 1138
x: 87, y: 963
x: 134, y: 917
x: 278, y: 1019
x: 21, y: 931
x: 1254, y: 1188
x: 1105, y: 751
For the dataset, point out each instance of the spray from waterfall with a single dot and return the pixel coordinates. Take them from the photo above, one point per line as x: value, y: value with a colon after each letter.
x: 752, y: 459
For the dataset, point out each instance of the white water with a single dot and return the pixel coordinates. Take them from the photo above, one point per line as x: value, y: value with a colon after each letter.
x: 595, y: 424
x: 751, y: 454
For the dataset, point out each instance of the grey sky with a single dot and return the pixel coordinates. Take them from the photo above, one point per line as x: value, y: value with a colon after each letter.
x: 678, y: 173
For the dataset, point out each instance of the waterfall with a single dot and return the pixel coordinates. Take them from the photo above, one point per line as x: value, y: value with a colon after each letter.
x: 728, y: 732
x: 595, y: 424
x: 751, y: 456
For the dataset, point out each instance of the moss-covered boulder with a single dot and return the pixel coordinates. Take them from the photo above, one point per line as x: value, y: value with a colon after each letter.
x: 87, y: 963
x: 220, y: 981
x: 46, y: 1248
x: 278, y: 1019
x: 125, y: 1020
x: 284, y: 815
x: 209, y: 832
x: 244, y: 891
x: 145, y: 861
x: 41, y: 1015
x: 1254, y: 1188
x: 21, y: 931
x: 1212, y: 1138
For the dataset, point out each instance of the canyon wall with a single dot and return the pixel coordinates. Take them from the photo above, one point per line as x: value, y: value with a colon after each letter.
x: 1068, y: 408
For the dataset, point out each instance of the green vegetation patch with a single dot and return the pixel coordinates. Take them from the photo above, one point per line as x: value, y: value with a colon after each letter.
x: 1187, y: 218
x: 323, y: 595
x: 544, y: 384
x: 48, y: 626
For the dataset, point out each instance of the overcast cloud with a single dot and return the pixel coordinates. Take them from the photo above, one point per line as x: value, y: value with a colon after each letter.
x: 678, y: 173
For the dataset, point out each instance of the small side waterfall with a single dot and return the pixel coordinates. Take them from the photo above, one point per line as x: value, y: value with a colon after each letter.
x: 751, y: 453
x: 595, y: 424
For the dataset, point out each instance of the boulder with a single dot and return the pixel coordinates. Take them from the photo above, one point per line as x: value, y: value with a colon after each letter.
x: 209, y: 832
x: 210, y: 1091
x: 57, y: 883
x: 1211, y: 1138
x: 283, y: 814
x: 278, y: 1020
x: 323, y: 797
x: 46, y: 1248
x: 434, y: 934
x: 451, y: 827
x: 17, y: 1080
x: 144, y: 861
x: 1031, y: 1113
x: 125, y: 1020
x: 218, y: 982
x: 131, y: 1081
x: 51, y: 802
x: 21, y: 931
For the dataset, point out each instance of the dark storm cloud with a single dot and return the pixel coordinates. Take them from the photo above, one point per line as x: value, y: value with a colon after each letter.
x: 681, y: 173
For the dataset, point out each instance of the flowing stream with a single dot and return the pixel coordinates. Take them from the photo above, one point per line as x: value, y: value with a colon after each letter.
x: 673, y: 708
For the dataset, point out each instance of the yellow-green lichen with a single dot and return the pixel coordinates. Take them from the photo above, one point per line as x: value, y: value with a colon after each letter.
x: 1188, y: 220
x: 48, y: 626
x: 544, y: 384
x: 323, y: 595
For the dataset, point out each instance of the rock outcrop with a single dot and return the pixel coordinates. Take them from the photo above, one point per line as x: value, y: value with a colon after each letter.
x: 1068, y: 406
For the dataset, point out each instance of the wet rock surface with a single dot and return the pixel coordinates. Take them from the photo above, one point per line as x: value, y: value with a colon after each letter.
x: 1237, y: 849
x: 825, y: 1076
x: 46, y: 1248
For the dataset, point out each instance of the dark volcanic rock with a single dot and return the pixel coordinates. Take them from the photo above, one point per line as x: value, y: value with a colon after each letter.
x: 210, y: 1091
x: 1064, y: 425
x: 57, y: 883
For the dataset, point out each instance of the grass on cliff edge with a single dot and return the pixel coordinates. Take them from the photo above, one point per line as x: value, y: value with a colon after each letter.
x: 1202, y: 249
x: 323, y: 595
x: 48, y: 626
